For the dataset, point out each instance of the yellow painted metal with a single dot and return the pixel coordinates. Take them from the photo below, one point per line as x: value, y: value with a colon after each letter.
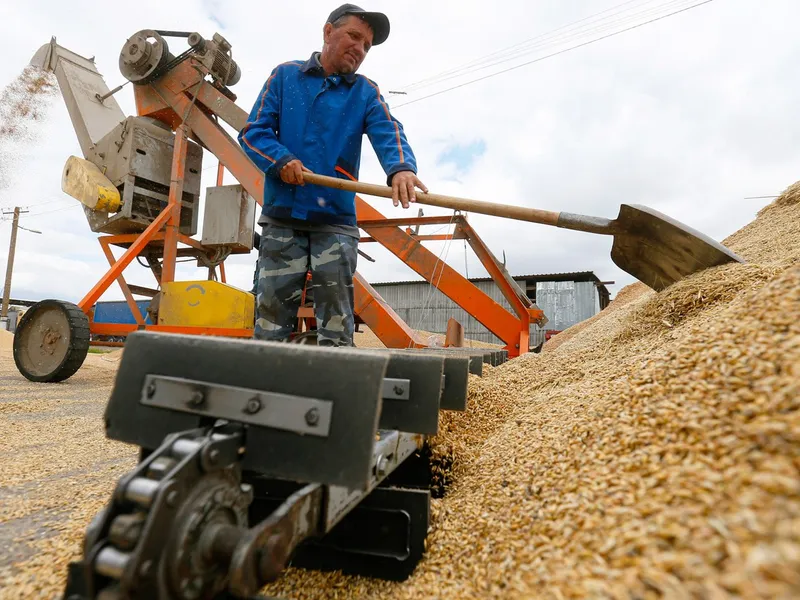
x: 205, y: 304
x: 85, y: 182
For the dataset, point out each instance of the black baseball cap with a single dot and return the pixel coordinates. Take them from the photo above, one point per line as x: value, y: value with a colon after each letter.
x: 378, y: 21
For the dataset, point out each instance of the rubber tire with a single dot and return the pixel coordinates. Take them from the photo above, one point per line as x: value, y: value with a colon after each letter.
x: 78, y: 344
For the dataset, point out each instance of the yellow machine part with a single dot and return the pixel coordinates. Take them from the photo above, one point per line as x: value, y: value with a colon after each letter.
x: 205, y: 304
x: 85, y: 182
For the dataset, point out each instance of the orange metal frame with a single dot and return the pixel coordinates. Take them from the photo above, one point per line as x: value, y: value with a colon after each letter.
x: 137, y: 243
x: 192, y: 106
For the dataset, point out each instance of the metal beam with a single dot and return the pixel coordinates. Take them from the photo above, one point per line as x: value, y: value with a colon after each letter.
x: 446, y: 279
x: 422, y: 238
x: 381, y: 318
x: 443, y: 220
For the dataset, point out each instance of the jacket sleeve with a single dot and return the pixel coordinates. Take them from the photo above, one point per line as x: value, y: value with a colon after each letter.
x: 259, y: 137
x: 387, y: 136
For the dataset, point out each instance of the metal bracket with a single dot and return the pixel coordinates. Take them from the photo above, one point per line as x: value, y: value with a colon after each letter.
x: 390, y: 450
x: 340, y: 457
x: 418, y: 412
x: 396, y: 389
x: 307, y: 416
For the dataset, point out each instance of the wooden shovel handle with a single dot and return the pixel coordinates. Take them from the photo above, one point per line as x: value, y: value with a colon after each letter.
x: 520, y: 213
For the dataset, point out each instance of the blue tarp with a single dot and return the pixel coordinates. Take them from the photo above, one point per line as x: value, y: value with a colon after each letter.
x: 118, y: 311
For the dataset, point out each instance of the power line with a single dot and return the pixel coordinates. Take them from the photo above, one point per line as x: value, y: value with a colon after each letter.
x: 522, y: 43
x: 549, y: 39
x: 53, y: 201
x: 530, y: 62
x: 683, y: 9
x: 567, y: 38
x: 47, y: 212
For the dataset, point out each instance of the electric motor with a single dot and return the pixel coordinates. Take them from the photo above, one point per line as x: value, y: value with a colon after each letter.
x: 215, y: 54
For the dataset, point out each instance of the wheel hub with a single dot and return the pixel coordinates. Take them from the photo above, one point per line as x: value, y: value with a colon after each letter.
x: 49, y: 340
x: 216, y: 501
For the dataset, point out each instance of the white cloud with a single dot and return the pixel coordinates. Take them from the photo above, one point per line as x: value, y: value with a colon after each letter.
x: 688, y: 115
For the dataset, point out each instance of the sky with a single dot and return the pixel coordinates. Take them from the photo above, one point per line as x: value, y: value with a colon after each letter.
x: 691, y: 115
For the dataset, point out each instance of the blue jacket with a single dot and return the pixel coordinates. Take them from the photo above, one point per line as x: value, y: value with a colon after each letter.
x: 320, y: 120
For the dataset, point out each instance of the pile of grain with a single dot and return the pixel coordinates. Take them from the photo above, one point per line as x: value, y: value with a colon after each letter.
x: 660, y: 462
x: 6, y: 340
x: 611, y: 465
x: 625, y: 295
x: 773, y: 236
x: 366, y: 338
x: 789, y: 197
x: 692, y: 295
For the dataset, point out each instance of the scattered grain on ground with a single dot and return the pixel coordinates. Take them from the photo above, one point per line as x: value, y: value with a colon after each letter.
x: 661, y: 464
x: 6, y: 340
x: 366, y: 338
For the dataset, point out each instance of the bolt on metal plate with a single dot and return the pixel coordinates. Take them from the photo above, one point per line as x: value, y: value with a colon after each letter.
x: 299, y: 414
x: 396, y: 389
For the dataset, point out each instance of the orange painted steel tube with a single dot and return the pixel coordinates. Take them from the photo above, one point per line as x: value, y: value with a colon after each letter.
x: 381, y: 318
x: 174, y: 206
x: 137, y: 314
x: 447, y: 280
x: 136, y: 247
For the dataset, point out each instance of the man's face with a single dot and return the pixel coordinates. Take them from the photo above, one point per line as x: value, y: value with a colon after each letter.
x: 348, y: 44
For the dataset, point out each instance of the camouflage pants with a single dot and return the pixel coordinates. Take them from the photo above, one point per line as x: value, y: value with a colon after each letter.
x: 285, y: 256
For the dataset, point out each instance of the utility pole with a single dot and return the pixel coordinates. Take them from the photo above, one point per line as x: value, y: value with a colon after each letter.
x: 10, y: 266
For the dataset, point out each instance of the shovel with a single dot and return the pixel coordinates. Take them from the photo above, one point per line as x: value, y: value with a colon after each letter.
x: 651, y: 246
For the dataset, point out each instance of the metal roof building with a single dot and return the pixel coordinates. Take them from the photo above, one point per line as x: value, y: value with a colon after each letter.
x: 565, y: 298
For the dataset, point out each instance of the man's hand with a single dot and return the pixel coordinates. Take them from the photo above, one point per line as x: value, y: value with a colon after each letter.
x: 403, y: 184
x: 292, y: 172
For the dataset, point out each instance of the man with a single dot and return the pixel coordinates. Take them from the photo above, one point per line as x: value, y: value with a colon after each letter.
x: 312, y: 116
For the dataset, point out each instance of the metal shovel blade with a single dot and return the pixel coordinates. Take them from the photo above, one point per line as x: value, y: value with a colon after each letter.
x: 659, y: 251
x: 651, y: 246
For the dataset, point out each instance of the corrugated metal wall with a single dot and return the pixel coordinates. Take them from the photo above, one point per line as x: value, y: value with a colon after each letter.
x: 424, y: 307
x: 567, y: 303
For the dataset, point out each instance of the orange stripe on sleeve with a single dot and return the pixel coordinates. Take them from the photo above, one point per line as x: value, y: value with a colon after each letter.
x: 260, y: 108
x: 257, y: 151
x: 345, y: 173
x: 388, y: 116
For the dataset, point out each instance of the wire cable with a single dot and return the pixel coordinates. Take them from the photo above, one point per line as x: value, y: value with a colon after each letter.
x: 572, y: 38
x: 435, y: 286
x: 530, y: 62
x: 47, y: 212
x: 551, y: 38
